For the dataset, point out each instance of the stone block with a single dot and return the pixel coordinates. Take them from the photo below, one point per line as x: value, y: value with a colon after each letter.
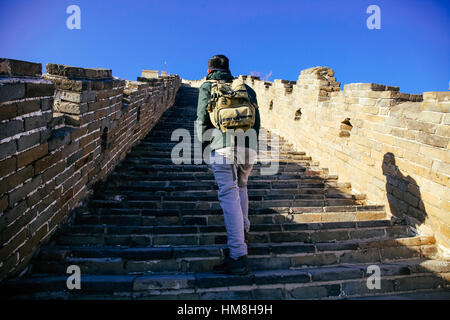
x: 70, y: 107
x: 11, y: 67
x: 7, y: 149
x: 7, y: 166
x: 11, y: 91
x: 39, y: 89
x: 315, y: 292
x: 28, y: 106
x: 25, y: 142
x: 24, y: 190
x: 15, y: 179
x: 149, y: 74
x: 31, y: 155
x: 432, y: 140
x: 76, y: 72
x: 37, y: 121
x: 47, y: 162
x: 8, y: 110
x: 77, y: 97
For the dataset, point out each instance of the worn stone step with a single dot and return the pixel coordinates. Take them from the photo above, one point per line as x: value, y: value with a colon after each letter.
x: 214, y: 204
x: 137, y: 235
x: 60, y: 253
x: 155, y: 217
x: 283, y: 176
x: 207, y: 180
x: 271, y: 185
x: 262, y: 258
x: 254, y: 194
x: 212, y: 195
x: 336, y: 282
x: 346, y: 213
x: 145, y: 145
x: 129, y: 167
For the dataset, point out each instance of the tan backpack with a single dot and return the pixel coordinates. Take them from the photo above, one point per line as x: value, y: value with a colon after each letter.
x: 230, y: 107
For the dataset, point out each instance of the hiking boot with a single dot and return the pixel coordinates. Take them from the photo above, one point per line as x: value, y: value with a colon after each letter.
x: 233, y: 267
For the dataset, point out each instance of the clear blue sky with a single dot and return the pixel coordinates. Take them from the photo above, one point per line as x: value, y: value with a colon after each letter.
x: 411, y: 50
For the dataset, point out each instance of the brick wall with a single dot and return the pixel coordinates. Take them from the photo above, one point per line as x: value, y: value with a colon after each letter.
x: 392, y: 146
x: 60, y: 133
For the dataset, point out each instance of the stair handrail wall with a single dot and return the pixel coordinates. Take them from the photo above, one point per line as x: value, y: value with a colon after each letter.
x: 60, y: 133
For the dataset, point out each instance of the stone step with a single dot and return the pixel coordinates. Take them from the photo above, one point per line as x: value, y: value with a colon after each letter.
x: 346, y: 213
x: 132, y: 166
x: 167, y: 154
x: 372, y: 228
x: 168, y: 146
x: 202, y: 259
x: 194, y: 217
x: 60, y: 253
x: 112, y: 193
x: 211, y: 195
x: 130, y: 169
x: 270, y: 185
x: 214, y: 204
x: 334, y: 282
x: 137, y: 235
x: 187, y: 179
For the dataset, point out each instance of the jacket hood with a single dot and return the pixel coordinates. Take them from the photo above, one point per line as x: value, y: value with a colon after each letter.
x: 220, y: 75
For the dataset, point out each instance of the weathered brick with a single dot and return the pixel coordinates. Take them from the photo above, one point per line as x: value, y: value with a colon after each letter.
x: 12, y: 67
x: 12, y: 214
x: 24, y: 190
x: 7, y: 149
x: 10, y: 128
x: 314, y: 292
x: 8, y: 110
x: 16, y: 178
x: 28, y: 106
x: 433, y: 140
x: 37, y: 121
x: 31, y: 155
x: 41, y: 89
x: 11, y: 91
x: 3, y: 203
x: 70, y: 107
x: 78, y: 97
x: 53, y: 171
x: 41, y: 193
x: 28, y: 141
x: 46, y: 162
x: 46, y: 103
x: 13, y: 244
x: 7, y: 166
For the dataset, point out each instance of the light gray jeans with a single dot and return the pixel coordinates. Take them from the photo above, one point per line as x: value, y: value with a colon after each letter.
x: 231, y: 178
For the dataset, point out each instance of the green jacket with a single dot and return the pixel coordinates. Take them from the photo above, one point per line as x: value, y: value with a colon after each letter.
x: 218, y: 139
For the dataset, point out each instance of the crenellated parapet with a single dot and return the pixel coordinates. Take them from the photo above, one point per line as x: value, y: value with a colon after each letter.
x: 393, y: 146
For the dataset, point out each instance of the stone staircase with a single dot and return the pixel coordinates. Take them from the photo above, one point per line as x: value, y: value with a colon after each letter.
x: 154, y: 230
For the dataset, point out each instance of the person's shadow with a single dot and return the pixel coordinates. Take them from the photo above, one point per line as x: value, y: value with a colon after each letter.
x: 403, y: 194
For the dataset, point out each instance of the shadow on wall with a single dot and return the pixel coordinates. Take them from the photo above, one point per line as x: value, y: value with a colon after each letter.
x: 403, y: 194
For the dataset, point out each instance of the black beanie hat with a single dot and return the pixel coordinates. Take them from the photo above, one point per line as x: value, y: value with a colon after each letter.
x: 218, y: 62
